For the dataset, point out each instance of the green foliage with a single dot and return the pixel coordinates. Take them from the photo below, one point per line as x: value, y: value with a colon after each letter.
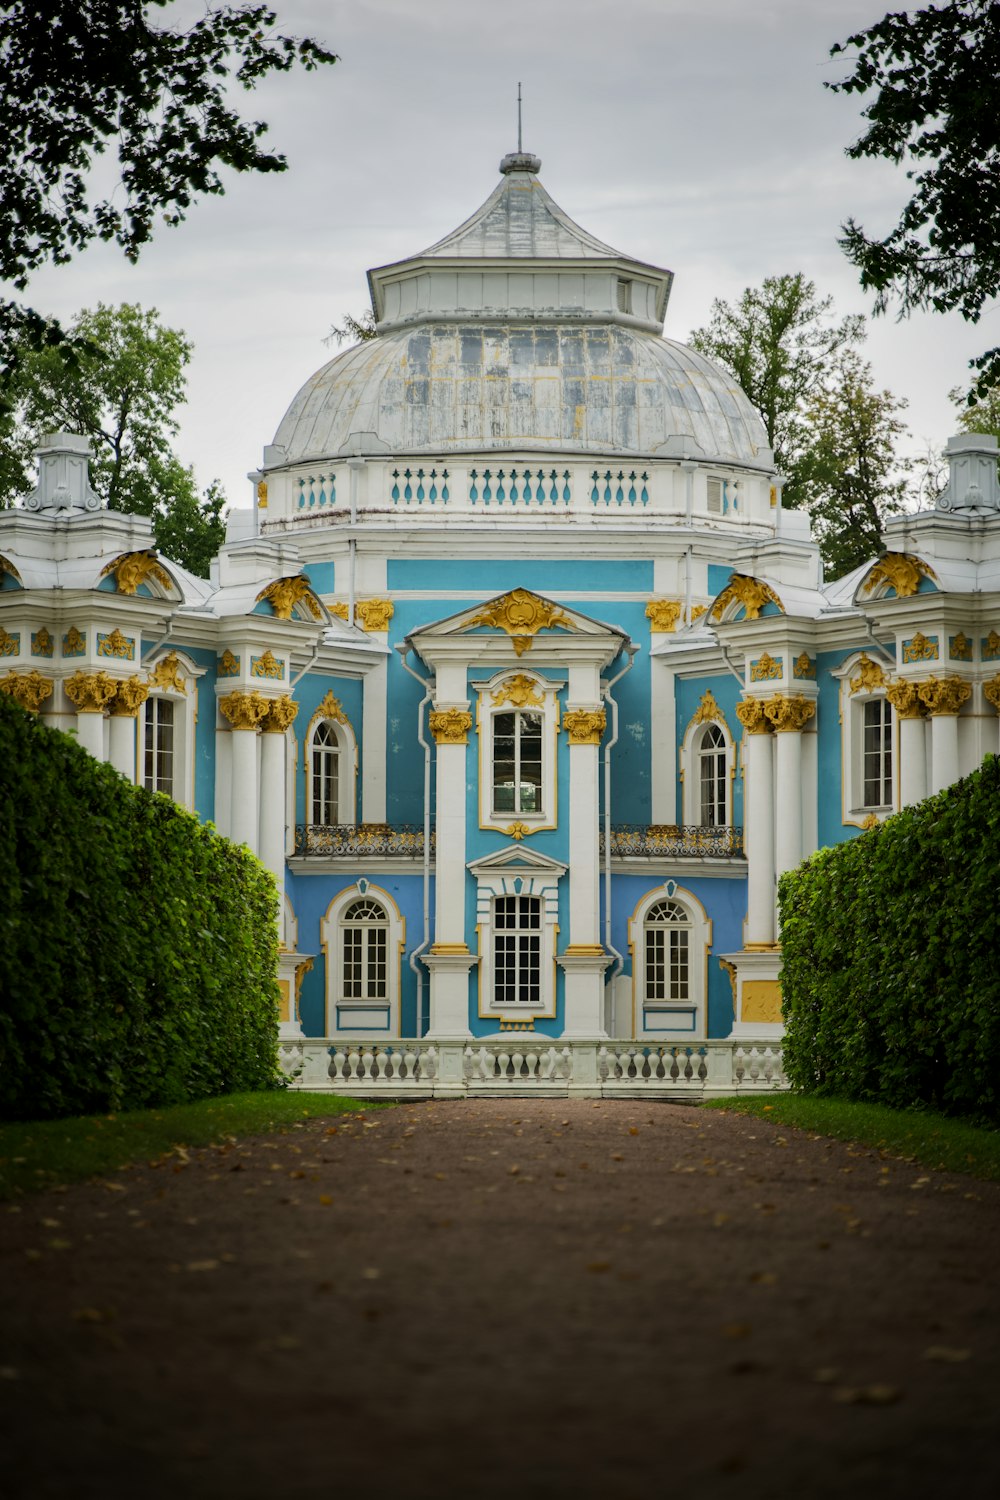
x: 935, y: 112
x: 890, y: 980
x: 982, y: 415
x: 139, y: 947
x: 353, y: 330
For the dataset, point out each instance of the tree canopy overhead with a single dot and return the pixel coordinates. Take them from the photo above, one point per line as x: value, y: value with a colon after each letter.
x: 935, y: 111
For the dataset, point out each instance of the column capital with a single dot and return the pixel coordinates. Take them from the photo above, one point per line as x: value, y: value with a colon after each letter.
x: 450, y: 726
x: 905, y: 698
x: 991, y: 691
x: 789, y: 715
x: 944, y: 695
x: 29, y: 689
x: 584, y: 726
x: 244, y: 710
x: 129, y: 697
x: 752, y: 716
x: 279, y: 716
x: 90, y: 692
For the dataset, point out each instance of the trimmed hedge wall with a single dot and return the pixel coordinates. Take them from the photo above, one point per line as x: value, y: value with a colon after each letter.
x: 138, y: 948
x: 891, y: 957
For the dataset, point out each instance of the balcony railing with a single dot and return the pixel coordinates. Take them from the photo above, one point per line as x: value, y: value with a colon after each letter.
x: 641, y: 840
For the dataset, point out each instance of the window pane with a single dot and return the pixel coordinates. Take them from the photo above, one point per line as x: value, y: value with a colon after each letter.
x: 517, y: 950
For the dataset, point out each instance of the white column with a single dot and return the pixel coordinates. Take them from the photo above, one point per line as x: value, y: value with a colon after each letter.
x: 944, y: 750
x: 788, y: 830
x: 912, y: 759
x: 373, y: 749
x: 90, y: 731
x: 663, y: 743
x: 584, y: 960
x: 271, y: 835
x: 449, y: 959
x: 121, y: 743
x: 758, y: 834
x: 243, y: 786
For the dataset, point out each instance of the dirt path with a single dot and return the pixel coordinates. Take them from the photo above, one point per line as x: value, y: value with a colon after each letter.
x: 505, y: 1299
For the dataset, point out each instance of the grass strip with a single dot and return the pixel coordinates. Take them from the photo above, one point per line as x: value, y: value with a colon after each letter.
x: 53, y: 1153
x: 936, y: 1141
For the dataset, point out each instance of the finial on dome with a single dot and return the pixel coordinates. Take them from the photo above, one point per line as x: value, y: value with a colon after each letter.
x: 520, y: 160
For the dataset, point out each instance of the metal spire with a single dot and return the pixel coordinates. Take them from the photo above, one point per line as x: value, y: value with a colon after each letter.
x: 520, y: 148
x: 520, y: 160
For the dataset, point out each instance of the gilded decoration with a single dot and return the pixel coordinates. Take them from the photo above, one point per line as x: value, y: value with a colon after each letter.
x: 42, y: 643
x: 584, y: 726
x: 134, y: 569
x: 991, y: 646
x: 129, y: 697
x: 518, y: 831
x: 904, y: 698
x: 729, y: 969
x: 960, y: 647
x: 29, y: 689
x: 697, y: 610
x: 707, y: 711
x: 284, y: 594
x: 805, y: 666
x: 870, y: 822
x: 6, y: 566
x: 789, y: 715
x: 520, y: 691
x: 90, y: 692
x: 921, y: 648
x: 329, y: 709
x: 944, y: 695
x: 262, y: 497
x: 301, y: 970
x: 752, y: 716
x: 374, y: 614
x: 522, y: 615
x: 991, y: 692
x: 121, y: 647
x: 899, y: 571
x: 167, y: 674
x: 869, y: 675
x: 340, y: 610
x: 750, y: 592
x: 73, y: 643
x: 762, y: 1001
x: 280, y: 715
x: 244, y: 710
x: 10, y: 645
x: 663, y: 615
x: 229, y: 665
x: 450, y: 726
x: 267, y: 665
x: 765, y: 668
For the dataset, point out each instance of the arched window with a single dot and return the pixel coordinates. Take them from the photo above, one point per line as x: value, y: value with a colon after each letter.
x: 158, y: 746
x: 324, y: 804
x: 667, y: 940
x: 713, y: 776
x: 517, y: 762
x: 876, y: 752
x: 669, y: 937
x: 517, y: 950
x: 363, y: 937
x: 868, y: 739
x: 364, y: 951
x: 331, y: 763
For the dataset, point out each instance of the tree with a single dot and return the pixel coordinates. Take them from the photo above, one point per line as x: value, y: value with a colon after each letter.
x: 850, y: 476
x: 935, y: 112
x: 121, y: 390
x: 778, y: 341
x: 982, y: 415
x: 353, y: 330
x: 85, y: 77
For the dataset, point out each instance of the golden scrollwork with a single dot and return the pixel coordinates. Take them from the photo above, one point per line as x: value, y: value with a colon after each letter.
x: 869, y: 675
x: 804, y: 666
x: 229, y: 665
x: 450, y: 726
x: 519, y: 690
x: 10, y: 645
x: 90, y: 692
x: 752, y: 716
x: 301, y: 970
x: 120, y: 647
x: 729, y: 969
x: 74, y: 643
x: 522, y: 615
x: 330, y: 708
x: 42, y: 643
x: 284, y: 594
x: 130, y: 695
x: 707, y: 710
x: 280, y: 715
x: 697, y: 610
x: 960, y: 647
x: 944, y: 695
x: 374, y: 614
x: 789, y: 715
x: 244, y: 710
x: 991, y: 691
x: 29, y: 689
x: 752, y: 593
x: 267, y: 665
x: 663, y: 615
x: 766, y: 668
x: 167, y: 674
x: 904, y: 698
x: 920, y: 648
x: 262, y: 493
x: 133, y: 569
x: 991, y: 646
x: 340, y: 610
x: 584, y: 726
x: 872, y: 821
x: 518, y: 831
x: 900, y: 571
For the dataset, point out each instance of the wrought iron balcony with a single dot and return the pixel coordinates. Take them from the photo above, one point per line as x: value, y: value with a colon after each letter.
x: 344, y: 840
x: 640, y: 840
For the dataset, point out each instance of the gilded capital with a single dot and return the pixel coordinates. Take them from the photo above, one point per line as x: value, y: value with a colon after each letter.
x: 944, y: 695
x: 29, y: 689
x: 752, y: 716
x: 789, y: 715
x: 244, y: 710
x: 450, y: 726
x: 129, y: 697
x: 280, y: 715
x: 904, y: 698
x: 90, y: 692
x: 374, y: 614
x: 663, y: 615
x: 991, y: 691
x: 584, y: 726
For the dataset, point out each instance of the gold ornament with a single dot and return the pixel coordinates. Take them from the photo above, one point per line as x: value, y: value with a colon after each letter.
x: 121, y: 647
x: 991, y: 691
x: 29, y: 689
x: 707, y: 710
x: 788, y: 715
x: 90, y: 692
x: 129, y: 697
x: 517, y: 831
x: 960, y: 647
x: 10, y: 645
x: 730, y: 970
x: 765, y: 668
x: 944, y: 695
x: 450, y: 726
x: 804, y: 666
x: 340, y: 610
x: 663, y: 615
x: 991, y: 646
x: 697, y: 610
x: 229, y: 665
x: 133, y: 569
x: 750, y: 592
x: 870, y: 822
x: 262, y: 494
x: 522, y: 615
x: 284, y: 594
x: 73, y: 643
x: 6, y: 566
x: 244, y: 710
x: 329, y: 709
x: 920, y: 648
x: 519, y: 690
x: 904, y: 698
x: 869, y: 675
x: 899, y: 571
x: 266, y: 666
x: 374, y: 614
x: 167, y: 674
x: 42, y: 643
x: 752, y: 716
x: 280, y: 715
x: 584, y: 726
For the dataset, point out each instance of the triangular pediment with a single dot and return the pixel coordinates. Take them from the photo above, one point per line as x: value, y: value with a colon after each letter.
x: 514, y: 859
x: 520, y: 614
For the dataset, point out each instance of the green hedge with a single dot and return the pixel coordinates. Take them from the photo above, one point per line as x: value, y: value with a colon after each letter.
x: 891, y: 957
x: 138, y: 948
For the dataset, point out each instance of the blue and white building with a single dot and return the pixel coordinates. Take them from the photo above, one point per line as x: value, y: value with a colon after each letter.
x: 518, y: 676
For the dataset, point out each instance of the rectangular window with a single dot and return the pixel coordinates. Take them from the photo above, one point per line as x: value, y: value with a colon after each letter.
x: 877, y: 753
x: 517, y: 976
x: 158, y: 756
x: 715, y: 496
x: 365, y: 959
x: 517, y: 763
x: 666, y: 963
x: 624, y: 296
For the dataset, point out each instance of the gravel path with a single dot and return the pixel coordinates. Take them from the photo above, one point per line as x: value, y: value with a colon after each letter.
x: 525, y: 1298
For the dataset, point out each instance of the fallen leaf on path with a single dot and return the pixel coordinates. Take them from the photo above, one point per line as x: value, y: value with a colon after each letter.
x: 598, y: 1267
x: 946, y: 1356
x: 737, y: 1330
x: 202, y: 1265
x: 93, y: 1315
x: 867, y: 1395
x: 326, y: 1199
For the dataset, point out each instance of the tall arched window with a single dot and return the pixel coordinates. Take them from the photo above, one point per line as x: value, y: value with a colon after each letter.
x: 365, y: 951
x: 517, y: 762
x: 363, y: 937
x: 670, y: 937
x: 876, y: 752
x: 324, y: 808
x: 667, y: 942
x: 158, y: 746
x: 712, y: 777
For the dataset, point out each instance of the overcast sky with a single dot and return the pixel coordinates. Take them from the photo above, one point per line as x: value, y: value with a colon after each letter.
x: 695, y: 134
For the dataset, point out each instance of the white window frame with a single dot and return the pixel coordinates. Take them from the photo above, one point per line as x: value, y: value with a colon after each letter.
x: 691, y: 752
x: 185, y: 702
x: 517, y: 872
x: 347, y: 747
x: 671, y: 1020
x: 855, y: 812
x: 362, y: 1017
x: 160, y: 708
x: 491, y: 702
